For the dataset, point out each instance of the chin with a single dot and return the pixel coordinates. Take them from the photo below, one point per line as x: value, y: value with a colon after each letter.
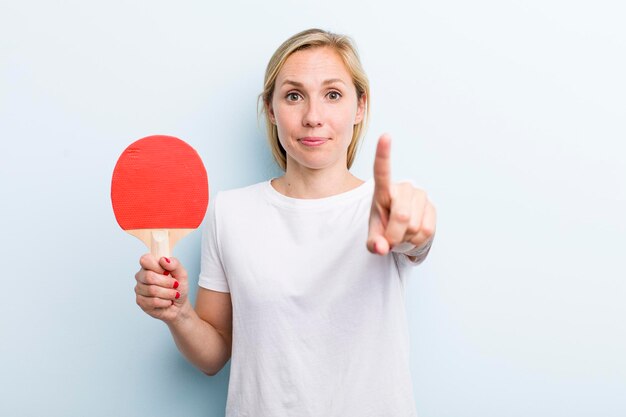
x: 314, y: 163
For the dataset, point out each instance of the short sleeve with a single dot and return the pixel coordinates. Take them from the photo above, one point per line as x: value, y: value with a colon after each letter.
x: 419, y: 255
x: 212, y: 275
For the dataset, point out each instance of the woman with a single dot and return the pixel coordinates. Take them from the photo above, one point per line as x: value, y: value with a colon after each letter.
x: 302, y: 276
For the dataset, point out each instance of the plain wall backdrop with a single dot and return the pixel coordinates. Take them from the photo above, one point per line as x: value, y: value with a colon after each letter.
x: 509, y: 113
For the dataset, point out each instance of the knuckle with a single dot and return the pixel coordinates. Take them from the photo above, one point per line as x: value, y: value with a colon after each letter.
x: 145, y: 259
x: 406, y: 186
x: 150, y: 277
x: 413, y: 229
x: 402, y: 216
x: 420, y: 201
x: 428, y: 231
x: 392, y: 238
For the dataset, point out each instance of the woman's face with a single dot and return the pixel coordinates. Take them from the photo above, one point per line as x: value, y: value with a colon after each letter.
x: 315, y: 108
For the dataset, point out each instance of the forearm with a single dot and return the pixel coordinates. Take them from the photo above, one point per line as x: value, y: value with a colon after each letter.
x: 199, y: 341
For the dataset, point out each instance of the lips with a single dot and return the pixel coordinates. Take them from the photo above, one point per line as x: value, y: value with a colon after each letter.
x: 313, y: 141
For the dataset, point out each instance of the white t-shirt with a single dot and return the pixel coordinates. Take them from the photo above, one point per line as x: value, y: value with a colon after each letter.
x: 319, y: 323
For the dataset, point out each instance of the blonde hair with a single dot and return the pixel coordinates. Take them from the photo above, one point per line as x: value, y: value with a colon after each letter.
x: 315, y: 38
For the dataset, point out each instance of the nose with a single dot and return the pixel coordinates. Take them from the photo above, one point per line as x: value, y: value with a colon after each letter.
x: 312, y: 115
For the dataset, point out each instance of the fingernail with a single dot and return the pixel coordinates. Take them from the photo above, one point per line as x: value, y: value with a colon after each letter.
x: 177, y: 295
x: 166, y: 260
x: 175, y: 284
x: 166, y: 273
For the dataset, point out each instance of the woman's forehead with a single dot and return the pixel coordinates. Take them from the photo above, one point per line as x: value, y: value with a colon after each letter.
x: 313, y: 66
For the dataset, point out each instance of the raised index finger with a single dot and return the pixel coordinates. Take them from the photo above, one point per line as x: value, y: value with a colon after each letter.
x: 382, y: 168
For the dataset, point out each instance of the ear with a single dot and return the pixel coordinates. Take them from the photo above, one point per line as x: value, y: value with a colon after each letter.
x: 360, y: 110
x: 270, y: 112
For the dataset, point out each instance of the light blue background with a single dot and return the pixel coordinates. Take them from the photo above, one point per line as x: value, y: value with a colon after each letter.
x: 510, y: 114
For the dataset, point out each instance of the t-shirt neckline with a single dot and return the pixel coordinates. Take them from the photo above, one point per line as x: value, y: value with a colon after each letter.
x: 316, y: 203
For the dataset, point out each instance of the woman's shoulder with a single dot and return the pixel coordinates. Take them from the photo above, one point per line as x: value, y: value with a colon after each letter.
x: 236, y: 197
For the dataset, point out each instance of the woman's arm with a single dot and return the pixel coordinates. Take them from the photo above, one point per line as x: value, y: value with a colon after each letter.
x: 204, y: 336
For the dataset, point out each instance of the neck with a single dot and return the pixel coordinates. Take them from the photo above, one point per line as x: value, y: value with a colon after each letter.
x: 305, y: 183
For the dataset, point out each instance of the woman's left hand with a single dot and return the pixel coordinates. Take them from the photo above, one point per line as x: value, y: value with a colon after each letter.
x: 402, y: 218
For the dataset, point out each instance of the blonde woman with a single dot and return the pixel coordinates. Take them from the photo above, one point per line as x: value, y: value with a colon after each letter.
x: 302, y: 276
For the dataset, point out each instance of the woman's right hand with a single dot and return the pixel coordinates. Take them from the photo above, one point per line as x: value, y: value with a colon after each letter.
x: 162, y: 287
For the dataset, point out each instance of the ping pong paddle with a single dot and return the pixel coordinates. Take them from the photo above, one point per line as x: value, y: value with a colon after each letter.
x: 159, y: 191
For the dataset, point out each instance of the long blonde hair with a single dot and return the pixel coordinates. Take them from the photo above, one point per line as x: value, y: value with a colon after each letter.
x: 315, y: 38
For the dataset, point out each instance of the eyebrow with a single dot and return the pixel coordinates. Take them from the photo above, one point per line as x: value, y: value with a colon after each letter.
x: 326, y: 82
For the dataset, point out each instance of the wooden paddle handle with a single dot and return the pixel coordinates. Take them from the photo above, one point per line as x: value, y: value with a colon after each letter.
x: 160, y: 243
